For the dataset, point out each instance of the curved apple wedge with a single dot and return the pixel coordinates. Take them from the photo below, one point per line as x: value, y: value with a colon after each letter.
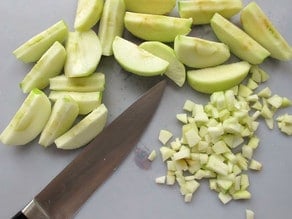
x: 221, y: 77
x: 176, y: 70
x: 88, y: 14
x: 111, y: 24
x: 87, y: 101
x: 150, y: 6
x: 239, y: 42
x: 137, y: 60
x: 199, y: 53
x: 64, y: 113
x: 83, y: 53
x: 85, y: 130
x: 49, y: 65
x: 203, y: 10
x: 34, y: 48
x: 29, y: 120
x: 258, y: 25
x: 156, y: 27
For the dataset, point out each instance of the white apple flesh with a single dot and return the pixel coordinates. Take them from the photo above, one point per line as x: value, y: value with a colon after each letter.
x: 29, y: 120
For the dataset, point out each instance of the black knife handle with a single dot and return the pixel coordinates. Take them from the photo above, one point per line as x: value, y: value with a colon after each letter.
x: 19, y: 215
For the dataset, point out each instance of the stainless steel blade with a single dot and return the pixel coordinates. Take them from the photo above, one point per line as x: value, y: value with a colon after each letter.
x: 65, y: 194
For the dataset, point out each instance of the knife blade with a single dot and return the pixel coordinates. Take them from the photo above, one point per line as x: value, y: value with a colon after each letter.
x: 64, y: 195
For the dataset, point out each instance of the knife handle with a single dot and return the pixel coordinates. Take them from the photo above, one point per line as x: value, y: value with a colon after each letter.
x: 19, y: 215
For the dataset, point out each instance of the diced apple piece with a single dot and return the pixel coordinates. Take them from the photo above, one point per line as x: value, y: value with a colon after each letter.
x: 164, y: 136
x: 94, y: 82
x: 85, y: 130
x: 258, y: 26
x: 34, y: 48
x: 249, y: 214
x: 64, y: 113
x: 83, y: 53
x: 203, y: 10
x: 176, y: 70
x: 111, y: 24
x: 199, y: 53
x: 241, y: 194
x: 152, y: 155
x: 49, y: 65
x: 150, y: 6
x: 137, y: 60
x: 239, y: 43
x: 156, y: 27
x: 87, y: 101
x: 218, y: 78
x: 29, y: 120
x: 88, y: 14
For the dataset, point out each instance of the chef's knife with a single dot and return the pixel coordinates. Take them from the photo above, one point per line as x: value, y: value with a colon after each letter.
x: 65, y: 194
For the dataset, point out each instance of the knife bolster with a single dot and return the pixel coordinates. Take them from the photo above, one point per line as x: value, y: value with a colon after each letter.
x: 34, y: 211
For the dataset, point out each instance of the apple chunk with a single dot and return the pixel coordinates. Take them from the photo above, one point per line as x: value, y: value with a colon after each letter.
x: 199, y: 53
x: 64, y: 113
x: 85, y: 130
x: 83, y: 53
x: 150, y: 6
x: 29, y: 120
x: 88, y: 14
x: 176, y: 70
x: 111, y: 24
x: 156, y: 27
x: 137, y: 60
x: 239, y: 42
x: 49, y: 65
x: 259, y: 26
x: 221, y: 77
x: 203, y: 10
x: 34, y: 48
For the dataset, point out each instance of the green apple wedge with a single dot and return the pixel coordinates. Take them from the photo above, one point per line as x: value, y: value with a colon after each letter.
x: 34, y: 48
x: 87, y: 101
x: 150, y: 6
x: 203, y: 10
x: 88, y: 13
x: 93, y: 82
x: 156, y: 27
x: 85, y: 130
x: 221, y: 77
x: 49, y: 65
x: 29, y: 120
x: 64, y: 112
x: 83, y: 53
x: 199, y: 53
x: 239, y: 42
x: 256, y: 23
x: 136, y: 60
x: 111, y: 24
x: 176, y: 70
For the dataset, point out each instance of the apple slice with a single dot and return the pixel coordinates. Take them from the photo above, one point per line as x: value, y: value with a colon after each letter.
x: 87, y: 101
x: 199, y: 53
x: 83, y: 53
x: 33, y: 49
x: 137, y: 60
x: 88, y: 14
x: 156, y: 27
x: 203, y: 10
x: 176, y: 70
x: 64, y: 113
x: 94, y: 82
x: 85, y: 130
x: 221, y: 77
x: 240, y: 43
x: 29, y: 120
x: 258, y: 26
x: 49, y: 65
x: 111, y: 24
x: 150, y: 6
